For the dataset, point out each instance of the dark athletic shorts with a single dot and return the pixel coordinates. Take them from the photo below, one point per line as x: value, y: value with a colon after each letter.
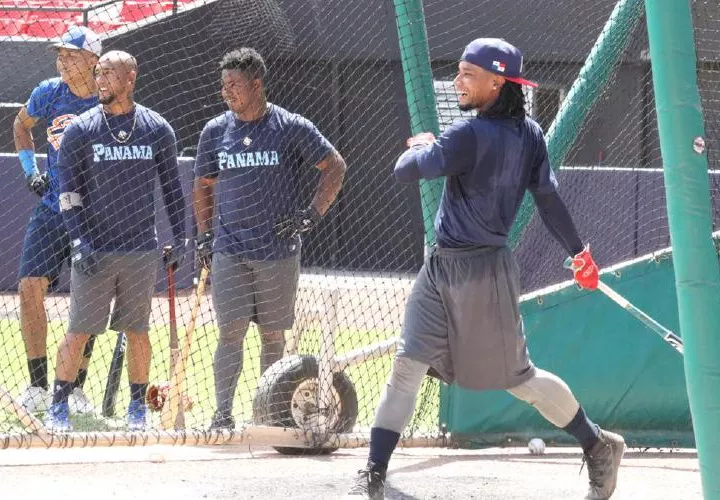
x: 46, y: 245
x: 462, y: 319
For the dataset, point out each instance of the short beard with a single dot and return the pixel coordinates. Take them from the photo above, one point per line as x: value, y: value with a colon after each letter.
x: 107, y: 100
x: 466, y: 107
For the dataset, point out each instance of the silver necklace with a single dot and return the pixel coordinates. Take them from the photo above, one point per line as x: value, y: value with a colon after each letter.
x: 122, y: 136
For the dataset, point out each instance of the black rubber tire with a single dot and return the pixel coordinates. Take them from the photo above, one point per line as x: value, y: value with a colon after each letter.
x: 272, y: 405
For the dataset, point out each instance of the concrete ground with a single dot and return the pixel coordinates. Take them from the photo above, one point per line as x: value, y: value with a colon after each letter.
x: 221, y: 472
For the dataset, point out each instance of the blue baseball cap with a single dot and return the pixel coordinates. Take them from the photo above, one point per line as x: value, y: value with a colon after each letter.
x: 80, y: 38
x: 497, y: 56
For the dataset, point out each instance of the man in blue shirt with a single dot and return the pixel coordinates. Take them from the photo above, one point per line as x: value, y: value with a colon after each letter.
x: 462, y: 319
x: 248, y: 168
x: 46, y: 246
x: 109, y: 160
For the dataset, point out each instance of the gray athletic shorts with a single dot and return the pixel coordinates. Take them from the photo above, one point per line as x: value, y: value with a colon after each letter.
x: 263, y: 291
x: 462, y: 319
x: 129, y: 278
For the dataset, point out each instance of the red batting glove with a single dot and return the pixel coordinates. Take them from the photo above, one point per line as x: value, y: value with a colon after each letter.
x: 585, y: 270
x: 423, y: 139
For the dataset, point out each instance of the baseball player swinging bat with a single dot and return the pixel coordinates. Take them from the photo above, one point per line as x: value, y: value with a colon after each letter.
x: 176, y: 388
x: 668, y: 336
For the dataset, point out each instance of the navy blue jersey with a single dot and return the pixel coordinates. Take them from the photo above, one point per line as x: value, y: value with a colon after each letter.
x: 52, y: 101
x: 258, y: 167
x: 489, y: 163
x: 109, y: 164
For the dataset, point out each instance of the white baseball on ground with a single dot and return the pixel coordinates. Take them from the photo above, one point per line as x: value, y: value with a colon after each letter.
x: 536, y: 446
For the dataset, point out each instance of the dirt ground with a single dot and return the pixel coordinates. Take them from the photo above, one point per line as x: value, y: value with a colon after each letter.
x: 221, y: 472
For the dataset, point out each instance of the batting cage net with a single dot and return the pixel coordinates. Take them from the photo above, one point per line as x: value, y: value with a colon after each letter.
x: 356, y: 70
x: 706, y: 21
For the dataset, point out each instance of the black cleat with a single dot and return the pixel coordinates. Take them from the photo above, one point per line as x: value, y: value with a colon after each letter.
x: 222, y: 422
x: 369, y: 485
x: 603, y: 462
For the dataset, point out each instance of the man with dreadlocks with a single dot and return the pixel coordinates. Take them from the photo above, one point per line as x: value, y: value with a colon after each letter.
x: 462, y: 318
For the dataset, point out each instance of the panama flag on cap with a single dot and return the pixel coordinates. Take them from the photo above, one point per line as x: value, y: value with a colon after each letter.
x: 499, y: 66
x: 80, y: 38
x: 498, y: 56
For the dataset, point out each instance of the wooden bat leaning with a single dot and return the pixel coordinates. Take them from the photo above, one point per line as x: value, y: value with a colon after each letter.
x: 177, y: 380
x: 174, y: 343
x: 30, y: 421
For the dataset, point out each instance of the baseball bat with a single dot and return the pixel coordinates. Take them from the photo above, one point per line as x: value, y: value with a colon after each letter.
x: 113, y: 380
x: 668, y: 336
x: 177, y: 380
x: 29, y: 420
x: 174, y: 342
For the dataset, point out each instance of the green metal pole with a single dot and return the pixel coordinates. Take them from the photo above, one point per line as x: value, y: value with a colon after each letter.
x: 590, y: 84
x: 687, y: 187
x: 420, y: 94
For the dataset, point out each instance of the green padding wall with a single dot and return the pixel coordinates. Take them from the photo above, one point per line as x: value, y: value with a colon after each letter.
x: 624, y: 374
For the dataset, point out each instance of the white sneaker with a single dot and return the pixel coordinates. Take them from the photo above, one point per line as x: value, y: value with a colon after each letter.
x: 36, y: 399
x: 79, y: 402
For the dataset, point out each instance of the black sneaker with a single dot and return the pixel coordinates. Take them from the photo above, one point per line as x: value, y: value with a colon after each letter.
x: 222, y: 421
x: 368, y: 484
x: 603, y: 462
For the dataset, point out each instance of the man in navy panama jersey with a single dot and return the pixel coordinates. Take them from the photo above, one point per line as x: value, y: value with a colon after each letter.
x: 46, y: 245
x: 462, y: 317
x: 247, y: 170
x: 109, y: 160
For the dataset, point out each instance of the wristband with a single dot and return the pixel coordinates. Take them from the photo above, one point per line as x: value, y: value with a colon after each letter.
x: 27, y: 160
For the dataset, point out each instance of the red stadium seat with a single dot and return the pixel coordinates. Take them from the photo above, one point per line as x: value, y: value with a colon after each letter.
x: 13, y: 14
x: 11, y: 27
x: 30, y: 4
x: 46, y: 28
x: 103, y: 27
x: 56, y: 15
x: 133, y: 10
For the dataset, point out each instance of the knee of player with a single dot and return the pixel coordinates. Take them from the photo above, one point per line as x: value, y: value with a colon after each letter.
x: 407, y: 374
x: 76, y: 341
x: 528, y: 391
x: 137, y: 337
x: 272, y: 337
x: 233, y: 332
x: 524, y: 395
